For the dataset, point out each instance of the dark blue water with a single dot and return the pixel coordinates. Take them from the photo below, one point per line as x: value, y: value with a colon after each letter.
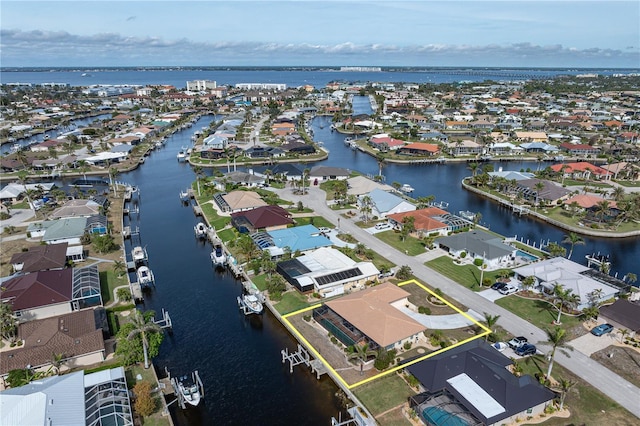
x: 293, y: 78
x: 238, y: 358
x: 443, y: 181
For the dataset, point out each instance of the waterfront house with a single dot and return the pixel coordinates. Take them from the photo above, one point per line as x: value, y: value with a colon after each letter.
x: 579, y: 149
x: 419, y: 149
x: 550, y: 193
x: 590, y: 203
x: 470, y: 384
x: 327, y: 173
x: 328, y: 272
x: 249, y: 180
x: 376, y: 316
x: 478, y: 244
x: 215, y: 142
x: 40, y: 258
x: 504, y: 148
x: 77, y: 208
x: 581, y: 170
x: 539, y: 147
x: 236, y: 201
x: 300, y: 148
x: 588, y: 284
x: 526, y: 136
x: 287, y: 171
x: 297, y: 239
x: 428, y: 221
x: 44, y: 294
x: 384, y: 143
x: 361, y: 185
x: 265, y: 218
x: 74, y: 399
x: 77, y: 336
x: 463, y: 147
x: 385, y: 203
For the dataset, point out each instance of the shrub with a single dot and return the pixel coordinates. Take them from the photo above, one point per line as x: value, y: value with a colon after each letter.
x: 477, y: 262
x: 463, y: 254
x: 123, y: 294
x: 307, y: 318
x: 407, y: 346
x: 334, y: 340
x: 145, y: 404
x: 424, y: 310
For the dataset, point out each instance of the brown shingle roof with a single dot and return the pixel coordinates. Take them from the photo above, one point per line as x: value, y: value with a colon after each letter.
x: 43, y: 257
x: 38, y: 289
x: 70, y: 335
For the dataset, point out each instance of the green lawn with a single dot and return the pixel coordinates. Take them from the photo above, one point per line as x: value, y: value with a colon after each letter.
x: 291, y: 302
x: 383, y: 394
x: 227, y: 235
x: 218, y: 222
x: 629, y: 184
x: 317, y: 221
x: 260, y: 281
x: 538, y: 312
x: 108, y: 282
x: 411, y: 246
x: 467, y: 275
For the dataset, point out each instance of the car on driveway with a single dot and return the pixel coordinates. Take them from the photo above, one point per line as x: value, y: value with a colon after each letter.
x: 508, y: 289
x: 517, y: 342
x: 498, y: 286
x: 526, y: 349
x: 383, y: 225
x: 324, y: 229
x: 601, y: 329
x: 500, y: 346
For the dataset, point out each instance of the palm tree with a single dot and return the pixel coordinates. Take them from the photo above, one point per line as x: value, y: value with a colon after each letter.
x: 365, y: 207
x: 557, y: 339
x: 631, y: 277
x: 564, y: 297
x: 8, y: 323
x: 113, y: 172
x: 119, y: 267
x: 618, y: 193
x: 361, y: 353
x: 491, y: 320
x: 539, y: 186
x: 474, y: 169
x: 198, y: 171
x: 602, y: 208
x: 142, y: 325
x: 565, y: 385
x: 528, y: 282
x: 56, y: 362
x: 572, y: 239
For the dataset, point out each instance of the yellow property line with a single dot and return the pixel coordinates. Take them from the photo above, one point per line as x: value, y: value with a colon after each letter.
x: 302, y: 339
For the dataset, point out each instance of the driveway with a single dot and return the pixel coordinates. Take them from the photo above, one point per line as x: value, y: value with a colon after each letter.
x: 18, y: 216
x: 609, y: 383
x: 442, y: 322
x: 589, y: 344
x: 491, y: 295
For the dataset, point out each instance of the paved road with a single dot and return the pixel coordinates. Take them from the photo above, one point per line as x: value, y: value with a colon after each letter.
x: 609, y: 383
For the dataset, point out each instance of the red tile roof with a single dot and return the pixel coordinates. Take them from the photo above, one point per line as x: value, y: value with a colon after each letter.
x: 38, y: 289
x: 580, y: 167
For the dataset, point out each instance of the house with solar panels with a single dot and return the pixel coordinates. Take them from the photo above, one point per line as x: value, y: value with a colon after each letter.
x: 328, y: 272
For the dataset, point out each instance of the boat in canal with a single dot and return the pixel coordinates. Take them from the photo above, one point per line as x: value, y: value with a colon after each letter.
x: 200, y: 230
x: 145, y: 276
x: 182, y: 156
x: 406, y: 188
x: 189, y: 389
x: 468, y: 215
x: 138, y: 254
x: 218, y: 257
x: 250, y: 304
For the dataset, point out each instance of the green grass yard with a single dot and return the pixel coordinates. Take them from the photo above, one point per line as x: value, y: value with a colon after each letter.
x: 383, y: 394
x: 467, y: 275
x: 411, y: 246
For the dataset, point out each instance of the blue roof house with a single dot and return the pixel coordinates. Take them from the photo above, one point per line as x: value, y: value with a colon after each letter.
x: 299, y: 238
x: 384, y: 203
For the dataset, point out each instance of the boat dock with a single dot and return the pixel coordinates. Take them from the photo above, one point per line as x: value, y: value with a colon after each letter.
x: 301, y: 356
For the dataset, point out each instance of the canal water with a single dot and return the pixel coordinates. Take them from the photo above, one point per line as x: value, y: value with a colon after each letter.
x: 237, y: 357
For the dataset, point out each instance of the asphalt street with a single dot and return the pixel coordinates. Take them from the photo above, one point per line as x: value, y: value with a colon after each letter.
x: 609, y: 383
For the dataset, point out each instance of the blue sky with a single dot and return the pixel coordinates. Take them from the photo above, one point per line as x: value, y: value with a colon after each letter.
x: 304, y: 32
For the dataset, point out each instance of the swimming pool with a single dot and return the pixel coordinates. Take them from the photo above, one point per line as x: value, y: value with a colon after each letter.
x: 440, y: 417
x: 528, y: 256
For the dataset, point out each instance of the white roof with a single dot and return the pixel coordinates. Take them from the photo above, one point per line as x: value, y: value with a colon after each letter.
x: 13, y: 190
x: 477, y: 396
x: 103, y: 376
x: 57, y: 400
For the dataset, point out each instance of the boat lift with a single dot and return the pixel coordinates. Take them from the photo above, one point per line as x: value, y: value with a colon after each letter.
x: 176, y: 389
x: 165, y: 322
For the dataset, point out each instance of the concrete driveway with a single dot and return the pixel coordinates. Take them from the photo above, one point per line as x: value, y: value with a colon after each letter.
x: 589, y: 344
x: 18, y: 216
x: 612, y: 385
x: 491, y: 294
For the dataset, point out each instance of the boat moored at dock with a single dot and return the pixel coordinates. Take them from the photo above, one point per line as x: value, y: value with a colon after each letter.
x: 145, y: 276
x: 406, y: 188
x: 218, y: 257
x: 200, y: 230
x: 250, y: 304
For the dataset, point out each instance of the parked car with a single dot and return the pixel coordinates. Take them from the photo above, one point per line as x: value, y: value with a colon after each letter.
x: 500, y: 346
x: 508, y: 289
x: 526, y: 349
x: 498, y: 286
x: 517, y: 342
x: 324, y: 229
x: 383, y: 225
x: 601, y: 329
x: 389, y: 273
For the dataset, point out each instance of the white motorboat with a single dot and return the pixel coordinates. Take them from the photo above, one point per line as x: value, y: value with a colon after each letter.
x: 188, y: 388
x: 145, y: 276
x: 200, y: 230
x: 252, y: 304
x: 218, y: 257
x: 182, y: 156
x: 466, y: 214
x: 184, y: 196
x: 406, y: 188
x: 138, y: 254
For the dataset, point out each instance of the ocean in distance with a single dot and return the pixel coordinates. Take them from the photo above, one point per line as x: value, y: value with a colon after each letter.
x: 292, y: 77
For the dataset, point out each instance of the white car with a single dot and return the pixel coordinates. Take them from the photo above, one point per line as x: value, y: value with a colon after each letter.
x: 500, y: 346
x: 509, y: 289
x: 324, y: 229
x: 383, y: 225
